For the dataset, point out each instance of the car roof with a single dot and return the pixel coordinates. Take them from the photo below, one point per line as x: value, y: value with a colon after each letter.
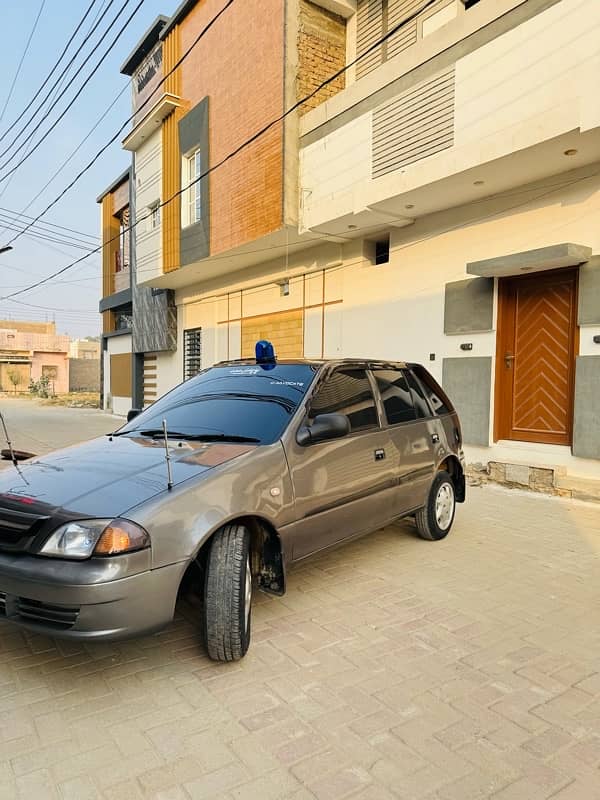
x: 368, y: 363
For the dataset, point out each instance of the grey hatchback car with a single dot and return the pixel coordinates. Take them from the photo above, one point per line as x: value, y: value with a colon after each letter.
x: 217, y: 488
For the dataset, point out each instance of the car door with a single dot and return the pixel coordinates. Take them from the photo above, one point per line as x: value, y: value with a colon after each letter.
x: 345, y: 486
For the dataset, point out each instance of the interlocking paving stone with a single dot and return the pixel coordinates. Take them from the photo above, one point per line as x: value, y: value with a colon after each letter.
x: 394, y: 668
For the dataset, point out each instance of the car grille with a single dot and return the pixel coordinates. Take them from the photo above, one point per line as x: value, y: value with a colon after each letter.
x: 17, y: 529
x: 23, y: 609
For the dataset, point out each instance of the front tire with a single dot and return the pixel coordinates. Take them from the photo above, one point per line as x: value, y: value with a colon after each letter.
x: 435, y: 519
x: 228, y: 594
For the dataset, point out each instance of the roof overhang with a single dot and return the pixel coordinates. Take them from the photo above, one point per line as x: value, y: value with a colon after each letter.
x: 152, y: 121
x: 543, y: 258
x: 124, y: 176
x: 144, y: 46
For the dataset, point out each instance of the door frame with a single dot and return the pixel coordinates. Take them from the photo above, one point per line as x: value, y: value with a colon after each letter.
x: 503, y: 389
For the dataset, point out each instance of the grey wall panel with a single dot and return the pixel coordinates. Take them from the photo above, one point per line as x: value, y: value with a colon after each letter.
x: 193, y: 134
x: 586, y: 431
x: 589, y: 292
x: 469, y: 306
x: 468, y: 382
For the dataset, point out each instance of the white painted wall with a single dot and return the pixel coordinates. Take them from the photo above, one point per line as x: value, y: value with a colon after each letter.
x: 525, y: 88
x: 148, y: 179
x: 115, y: 345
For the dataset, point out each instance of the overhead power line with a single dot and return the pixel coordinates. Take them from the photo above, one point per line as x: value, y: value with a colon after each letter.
x: 17, y: 215
x: 254, y: 138
x: 103, y: 149
x: 245, y: 144
x: 46, y: 236
x: 95, y: 69
x: 25, y: 51
x: 50, y: 73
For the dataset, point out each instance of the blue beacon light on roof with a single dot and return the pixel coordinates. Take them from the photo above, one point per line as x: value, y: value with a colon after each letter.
x: 265, y: 352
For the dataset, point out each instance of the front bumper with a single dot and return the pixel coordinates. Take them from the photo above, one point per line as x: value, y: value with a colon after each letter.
x: 87, y: 600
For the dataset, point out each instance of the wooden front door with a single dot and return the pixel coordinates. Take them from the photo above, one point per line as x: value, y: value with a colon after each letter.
x: 535, y: 359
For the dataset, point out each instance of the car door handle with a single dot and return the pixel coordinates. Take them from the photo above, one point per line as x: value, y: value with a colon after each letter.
x: 379, y: 454
x: 435, y: 438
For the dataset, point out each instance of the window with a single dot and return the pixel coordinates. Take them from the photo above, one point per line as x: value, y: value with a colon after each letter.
x: 192, y: 205
x: 192, y: 352
x: 347, y: 391
x: 421, y: 406
x: 434, y: 393
x: 241, y: 400
x: 382, y: 250
x: 155, y: 216
x: 123, y: 253
x: 396, y: 397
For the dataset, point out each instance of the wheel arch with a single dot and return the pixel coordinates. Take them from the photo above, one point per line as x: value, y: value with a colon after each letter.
x: 453, y: 467
x: 266, y: 548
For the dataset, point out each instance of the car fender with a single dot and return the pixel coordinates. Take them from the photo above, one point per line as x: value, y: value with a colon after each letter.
x: 181, y: 520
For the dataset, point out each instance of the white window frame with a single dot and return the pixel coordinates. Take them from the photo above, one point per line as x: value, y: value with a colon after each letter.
x: 191, y: 206
x: 155, y: 216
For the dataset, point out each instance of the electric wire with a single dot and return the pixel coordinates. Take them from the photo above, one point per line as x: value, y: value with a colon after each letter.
x: 50, y: 73
x: 250, y: 141
x: 95, y: 69
x: 23, y: 56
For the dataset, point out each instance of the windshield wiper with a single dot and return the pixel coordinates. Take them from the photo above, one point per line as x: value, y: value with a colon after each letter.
x: 157, y: 433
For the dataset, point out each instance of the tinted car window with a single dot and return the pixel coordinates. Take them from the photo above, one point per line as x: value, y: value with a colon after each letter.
x: 347, y: 391
x: 434, y: 393
x: 396, y: 397
x: 252, y: 401
x: 418, y: 397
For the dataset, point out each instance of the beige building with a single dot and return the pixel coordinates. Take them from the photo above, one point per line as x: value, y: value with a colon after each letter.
x: 83, y: 348
x: 30, y: 351
x: 447, y: 193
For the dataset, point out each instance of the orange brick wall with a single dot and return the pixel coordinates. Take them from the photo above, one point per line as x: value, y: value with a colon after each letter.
x: 239, y: 65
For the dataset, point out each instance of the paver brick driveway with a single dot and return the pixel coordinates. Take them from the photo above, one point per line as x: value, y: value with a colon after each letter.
x: 393, y: 668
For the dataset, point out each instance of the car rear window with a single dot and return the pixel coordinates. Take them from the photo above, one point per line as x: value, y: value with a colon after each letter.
x: 433, y: 391
x: 242, y: 400
x: 395, y: 395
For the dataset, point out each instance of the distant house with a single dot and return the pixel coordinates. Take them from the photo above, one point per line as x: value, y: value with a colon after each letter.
x: 84, y: 348
x: 31, y: 350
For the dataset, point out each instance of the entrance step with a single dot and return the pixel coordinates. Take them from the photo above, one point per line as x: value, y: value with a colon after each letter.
x: 535, y: 477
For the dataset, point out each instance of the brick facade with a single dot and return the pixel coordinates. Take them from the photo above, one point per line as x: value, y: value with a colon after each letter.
x: 239, y: 66
x: 321, y: 52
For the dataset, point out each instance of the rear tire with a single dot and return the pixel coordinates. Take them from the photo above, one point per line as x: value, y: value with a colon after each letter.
x: 435, y: 519
x: 228, y: 594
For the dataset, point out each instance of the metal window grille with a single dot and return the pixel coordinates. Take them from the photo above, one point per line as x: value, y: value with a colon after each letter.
x: 192, y: 352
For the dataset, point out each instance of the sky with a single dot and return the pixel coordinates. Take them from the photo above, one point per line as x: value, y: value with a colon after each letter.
x: 72, y: 299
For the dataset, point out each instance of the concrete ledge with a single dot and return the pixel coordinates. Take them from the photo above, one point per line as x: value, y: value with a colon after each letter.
x: 543, y: 258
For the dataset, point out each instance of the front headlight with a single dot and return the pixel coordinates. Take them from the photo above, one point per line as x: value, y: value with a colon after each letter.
x: 95, y: 537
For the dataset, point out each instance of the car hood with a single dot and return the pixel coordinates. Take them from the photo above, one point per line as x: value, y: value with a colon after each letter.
x: 105, y: 477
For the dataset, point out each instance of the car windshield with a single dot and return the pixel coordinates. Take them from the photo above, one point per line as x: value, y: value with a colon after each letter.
x: 237, y: 402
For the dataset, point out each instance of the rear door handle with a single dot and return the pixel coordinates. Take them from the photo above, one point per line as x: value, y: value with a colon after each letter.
x: 379, y: 454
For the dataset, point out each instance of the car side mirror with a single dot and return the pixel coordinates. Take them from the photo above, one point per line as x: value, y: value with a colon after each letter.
x: 133, y: 413
x: 324, y: 427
